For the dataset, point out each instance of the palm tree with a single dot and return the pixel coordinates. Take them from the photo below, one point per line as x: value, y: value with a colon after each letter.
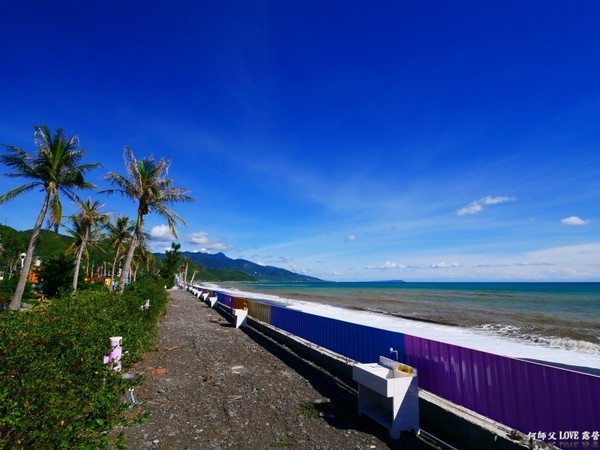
x: 57, y: 170
x: 86, y: 223
x: 119, y: 233
x: 153, y: 191
x: 185, y: 265
x: 196, y: 267
x: 142, y: 256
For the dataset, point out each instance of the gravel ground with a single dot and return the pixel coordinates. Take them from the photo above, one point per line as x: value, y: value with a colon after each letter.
x: 211, y: 386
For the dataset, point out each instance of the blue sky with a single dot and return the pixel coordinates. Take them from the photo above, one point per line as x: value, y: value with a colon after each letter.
x: 413, y: 140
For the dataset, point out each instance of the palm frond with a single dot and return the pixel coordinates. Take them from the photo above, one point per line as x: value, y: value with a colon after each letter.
x: 16, y: 192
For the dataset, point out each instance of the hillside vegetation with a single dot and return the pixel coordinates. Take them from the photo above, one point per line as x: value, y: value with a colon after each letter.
x: 209, y: 267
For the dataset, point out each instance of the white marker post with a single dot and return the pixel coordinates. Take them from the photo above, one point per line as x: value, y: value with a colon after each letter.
x: 116, y: 351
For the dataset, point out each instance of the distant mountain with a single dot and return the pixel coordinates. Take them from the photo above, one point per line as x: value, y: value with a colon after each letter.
x: 220, y: 267
x: 256, y: 271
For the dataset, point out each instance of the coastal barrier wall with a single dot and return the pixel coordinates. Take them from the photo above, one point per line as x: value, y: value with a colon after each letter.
x: 546, y: 402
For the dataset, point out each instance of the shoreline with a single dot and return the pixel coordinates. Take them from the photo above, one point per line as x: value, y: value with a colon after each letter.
x: 582, y: 361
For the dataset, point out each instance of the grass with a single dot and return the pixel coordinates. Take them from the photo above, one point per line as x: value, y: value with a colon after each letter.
x: 309, y: 409
x: 282, y: 443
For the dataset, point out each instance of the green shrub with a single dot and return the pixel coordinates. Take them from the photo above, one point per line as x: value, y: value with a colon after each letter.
x: 7, y: 289
x: 56, y: 275
x: 55, y: 390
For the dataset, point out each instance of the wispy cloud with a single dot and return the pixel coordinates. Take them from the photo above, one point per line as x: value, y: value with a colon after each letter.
x: 444, y: 265
x: 574, y: 221
x: 350, y: 238
x: 479, y: 205
x: 585, y: 253
x: 539, y: 263
x: 278, y: 261
x: 487, y: 266
x: 386, y: 266
x: 201, y: 239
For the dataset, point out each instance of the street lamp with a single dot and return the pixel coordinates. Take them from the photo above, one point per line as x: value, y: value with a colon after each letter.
x: 22, y: 255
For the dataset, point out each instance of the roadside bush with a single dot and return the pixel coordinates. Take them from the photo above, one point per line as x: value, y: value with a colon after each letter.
x: 56, y: 275
x: 55, y: 391
x: 7, y: 289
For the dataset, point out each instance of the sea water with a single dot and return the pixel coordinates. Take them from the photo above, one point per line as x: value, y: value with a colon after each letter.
x: 557, y: 322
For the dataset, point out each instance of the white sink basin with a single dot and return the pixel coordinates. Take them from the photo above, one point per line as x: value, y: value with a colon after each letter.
x: 382, y: 377
x: 388, y: 395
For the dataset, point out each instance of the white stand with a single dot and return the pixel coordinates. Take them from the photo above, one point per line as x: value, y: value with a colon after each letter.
x: 395, y: 402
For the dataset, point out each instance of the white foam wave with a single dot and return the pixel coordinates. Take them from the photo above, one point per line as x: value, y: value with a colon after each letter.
x: 520, y: 334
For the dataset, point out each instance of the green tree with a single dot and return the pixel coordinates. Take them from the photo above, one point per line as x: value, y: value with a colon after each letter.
x: 86, y: 230
x: 170, y: 264
x: 120, y: 231
x: 149, y: 186
x: 12, y: 244
x: 56, y: 169
x: 185, y: 266
x: 142, y: 257
x: 56, y: 275
x: 7, y: 287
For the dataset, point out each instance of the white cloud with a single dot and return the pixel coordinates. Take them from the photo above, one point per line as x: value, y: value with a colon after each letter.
x: 161, y: 233
x: 444, y: 265
x: 538, y: 263
x: 386, y: 266
x: 201, y: 239
x: 482, y: 265
x: 574, y: 221
x: 479, y: 205
x: 350, y: 238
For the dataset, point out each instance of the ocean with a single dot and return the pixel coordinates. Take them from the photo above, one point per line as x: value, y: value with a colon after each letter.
x: 550, y: 321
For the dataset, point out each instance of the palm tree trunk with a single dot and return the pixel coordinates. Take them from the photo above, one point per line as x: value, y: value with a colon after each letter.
x: 15, y: 302
x: 127, y: 264
x: 114, y: 266
x: 78, y: 260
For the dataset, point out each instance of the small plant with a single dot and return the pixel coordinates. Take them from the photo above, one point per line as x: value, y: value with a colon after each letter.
x: 308, y: 409
x: 131, y: 418
x: 282, y: 443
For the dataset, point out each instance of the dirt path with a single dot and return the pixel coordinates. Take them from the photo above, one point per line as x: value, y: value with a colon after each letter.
x: 211, y: 386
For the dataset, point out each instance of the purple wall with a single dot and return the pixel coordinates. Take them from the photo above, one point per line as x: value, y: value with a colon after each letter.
x: 527, y: 396
x: 523, y: 395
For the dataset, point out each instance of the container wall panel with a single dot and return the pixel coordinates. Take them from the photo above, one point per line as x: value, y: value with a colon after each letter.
x: 239, y: 303
x: 259, y: 311
x: 358, y: 342
x: 527, y: 396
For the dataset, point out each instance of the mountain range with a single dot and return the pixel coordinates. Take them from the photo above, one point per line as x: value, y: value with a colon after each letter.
x: 255, y: 271
x: 218, y: 266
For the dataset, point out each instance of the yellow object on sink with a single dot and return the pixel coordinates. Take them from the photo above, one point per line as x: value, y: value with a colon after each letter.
x: 404, y: 368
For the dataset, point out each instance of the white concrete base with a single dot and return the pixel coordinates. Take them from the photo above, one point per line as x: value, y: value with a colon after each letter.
x: 388, y: 396
x: 240, y: 316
